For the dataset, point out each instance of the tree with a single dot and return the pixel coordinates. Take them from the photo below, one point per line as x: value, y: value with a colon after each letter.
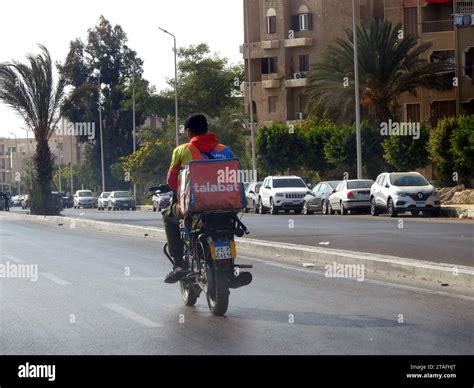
x: 31, y: 91
x: 405, y: 153
x: 107, y: 54
x: 388, y: 67
x: 451, y: 147
x: 280, y: 148
x: 206, y: 83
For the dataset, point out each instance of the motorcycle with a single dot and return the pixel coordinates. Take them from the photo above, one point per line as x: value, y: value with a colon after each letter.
x: 209, y: 257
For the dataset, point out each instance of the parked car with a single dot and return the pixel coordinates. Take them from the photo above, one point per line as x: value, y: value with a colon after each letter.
x: 121, y: 200
x: 251, y: 195
x: 84, y: 199
x: 25, y: 204
x: 404, y: 191
x: 16, y: 200
x: 58, y: 199
x: 318, y: 198
x: 162, y: 200
x: 102, y: 201
x: 351, y: 195
x: 282, y: 193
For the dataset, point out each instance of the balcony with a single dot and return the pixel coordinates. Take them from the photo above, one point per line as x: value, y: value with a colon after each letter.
x: 437, y: 26
x: 258, y: 49
x: 296, y: 83
x: 465, y: 7
x: 298, y: 42
x: 271, y: 84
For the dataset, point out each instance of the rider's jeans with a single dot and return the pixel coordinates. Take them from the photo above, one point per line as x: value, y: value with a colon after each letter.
x: 171, y: 218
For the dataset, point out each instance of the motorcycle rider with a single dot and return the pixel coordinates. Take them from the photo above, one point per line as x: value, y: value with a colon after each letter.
x: 202, y: 145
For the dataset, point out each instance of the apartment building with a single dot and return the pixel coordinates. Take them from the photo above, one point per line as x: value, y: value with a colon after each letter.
x: 16, y: 154
x: 286, y: 37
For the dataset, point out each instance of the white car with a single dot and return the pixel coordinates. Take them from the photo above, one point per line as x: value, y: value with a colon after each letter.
x: 351, y: 195
x: 282, y: 193
x: 402, y: 192
x: 84, y: 199
x: 102, y: 203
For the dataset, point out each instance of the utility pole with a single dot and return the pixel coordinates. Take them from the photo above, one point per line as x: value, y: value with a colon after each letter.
x: 101, y: 135
x: 249, y: 72
x: 356, y: 86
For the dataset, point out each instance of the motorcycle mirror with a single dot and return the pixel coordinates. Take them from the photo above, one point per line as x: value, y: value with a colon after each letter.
x: 153, y: 189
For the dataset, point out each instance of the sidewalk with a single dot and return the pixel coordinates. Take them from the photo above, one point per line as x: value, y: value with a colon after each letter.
x: 458, y: 211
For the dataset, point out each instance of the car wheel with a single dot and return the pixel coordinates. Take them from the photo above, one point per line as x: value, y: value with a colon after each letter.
x: 261, y: 208
x: 255, y: 207
x: 373, y: 208
x: 273, y: 208
x: 342, y: 209
x: 306, y: 211
x: 324, y: 208
x: 330, y: 210
x: 391, y: 208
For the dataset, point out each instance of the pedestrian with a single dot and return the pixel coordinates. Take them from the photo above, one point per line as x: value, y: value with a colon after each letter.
x: 6, y: 199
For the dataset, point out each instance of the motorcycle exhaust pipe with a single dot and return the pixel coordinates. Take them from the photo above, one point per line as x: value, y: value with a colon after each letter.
x: 244, y: 279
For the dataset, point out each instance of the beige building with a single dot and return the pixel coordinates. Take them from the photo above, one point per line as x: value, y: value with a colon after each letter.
x: 15, y: 154
x: 286, y: 37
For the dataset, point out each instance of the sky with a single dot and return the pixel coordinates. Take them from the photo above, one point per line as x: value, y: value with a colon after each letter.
x: 26, y: 23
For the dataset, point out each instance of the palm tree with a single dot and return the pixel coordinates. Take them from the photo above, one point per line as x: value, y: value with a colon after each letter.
x: 388, y: 67
x: 32, y: 92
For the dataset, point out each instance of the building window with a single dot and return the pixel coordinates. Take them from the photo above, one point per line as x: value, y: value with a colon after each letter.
x: 269, y: 65
x: 304, y: 63
x: 442, y: 109
x: 271, y: 21
x: 413, y: 113
x: 410, y: 20
x: 303, y: 21
x: 469, y: 62
x: 272, y: 104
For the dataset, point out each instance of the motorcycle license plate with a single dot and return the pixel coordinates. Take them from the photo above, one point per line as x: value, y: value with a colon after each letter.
x: 222, y: 249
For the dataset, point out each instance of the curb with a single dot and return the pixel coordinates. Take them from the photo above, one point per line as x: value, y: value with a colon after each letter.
x: 457, y: 212
x: 453, y: 275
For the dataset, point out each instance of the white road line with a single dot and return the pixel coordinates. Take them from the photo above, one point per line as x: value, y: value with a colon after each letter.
x: 14, y: 259
x: 55, y: 279
x: 370, y: 281
x: 132, y: 315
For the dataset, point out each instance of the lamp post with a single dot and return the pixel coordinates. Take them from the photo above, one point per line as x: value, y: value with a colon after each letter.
x: 134, y: 132
x: 249, y: 70
x: 356, y: 86
x: 101, y: 135
x: 175, y: 84
x: 17, y: 162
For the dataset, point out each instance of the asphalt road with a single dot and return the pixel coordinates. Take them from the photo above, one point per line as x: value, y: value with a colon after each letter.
x: 437, y: 240
x: 99, y: 293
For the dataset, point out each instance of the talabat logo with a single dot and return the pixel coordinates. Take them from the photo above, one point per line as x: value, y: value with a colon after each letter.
x: 218, y: 188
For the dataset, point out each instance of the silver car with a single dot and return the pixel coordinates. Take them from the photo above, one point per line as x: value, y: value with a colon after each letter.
x: 351, y: 195
x: 403, y: 192
x: 102, y: 202
x: 121, y: 200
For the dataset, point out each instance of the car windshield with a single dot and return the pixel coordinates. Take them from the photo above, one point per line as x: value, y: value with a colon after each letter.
x: 288, y: 182
x: 408, y: 180
x: 106, y: 194
x: 85, y: 194
x: 359, y: 184
x: 333, y: 184
x: 121, y: 194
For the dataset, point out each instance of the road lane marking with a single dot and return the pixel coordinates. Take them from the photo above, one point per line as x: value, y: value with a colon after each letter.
x: 370, y: 281
x: 14, y: 259
x: 55, y: 279
x: 132, y: 315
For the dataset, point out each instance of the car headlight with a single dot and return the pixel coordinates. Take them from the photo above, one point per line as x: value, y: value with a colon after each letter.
x: 402, y: 194
x: 280, y: 195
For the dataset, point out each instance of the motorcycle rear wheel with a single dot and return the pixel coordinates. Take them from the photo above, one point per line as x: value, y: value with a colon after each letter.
x: 218, y: 296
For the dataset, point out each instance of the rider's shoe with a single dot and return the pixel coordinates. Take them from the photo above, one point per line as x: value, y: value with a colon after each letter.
x: 175, y: 275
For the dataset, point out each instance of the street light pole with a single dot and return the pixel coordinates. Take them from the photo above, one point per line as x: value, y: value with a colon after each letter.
x: 175, y: 84
x: 249, y: 71
x: 101, y: 136
x: 17, y: 161
x: 134, y: 133
x: 357, y: 97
